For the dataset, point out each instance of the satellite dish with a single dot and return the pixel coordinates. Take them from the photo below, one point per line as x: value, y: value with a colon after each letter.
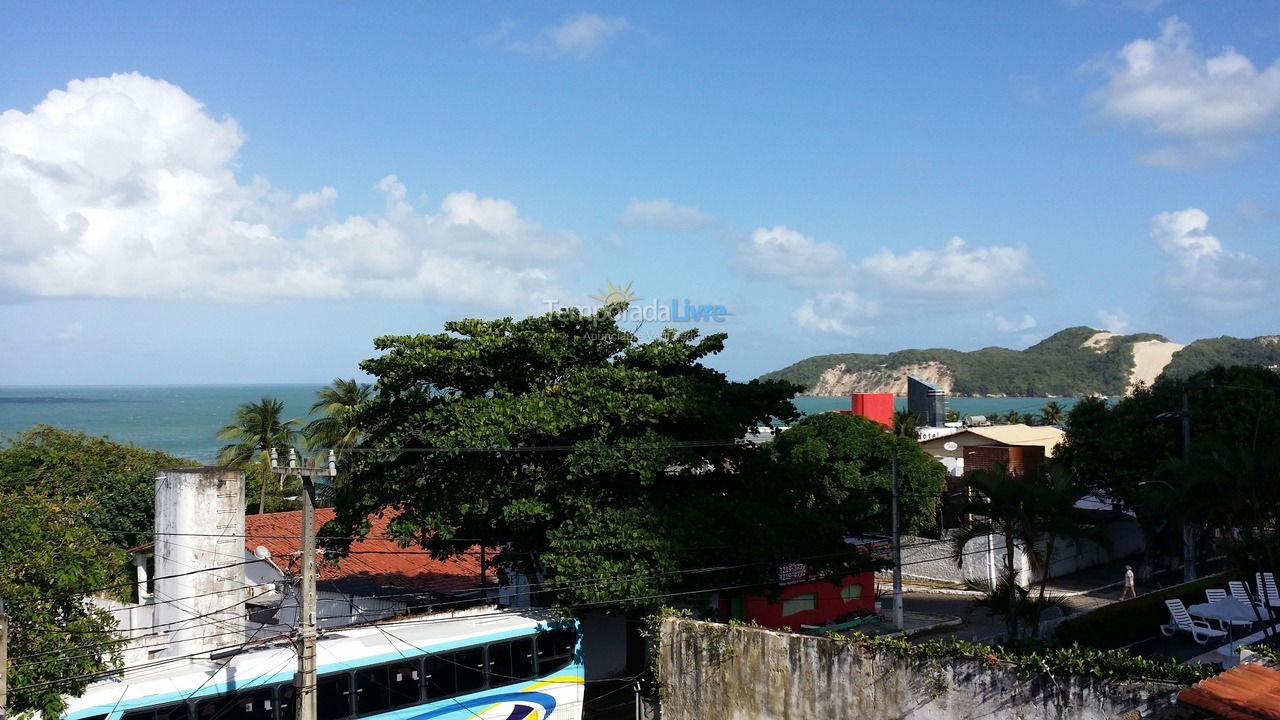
x: 950, y: 446
x: 262, y: 553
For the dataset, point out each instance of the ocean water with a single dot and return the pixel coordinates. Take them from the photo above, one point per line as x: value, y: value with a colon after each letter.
x: 183, y: 420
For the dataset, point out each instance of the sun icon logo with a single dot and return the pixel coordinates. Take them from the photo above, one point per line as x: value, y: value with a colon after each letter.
x: 615, y: 294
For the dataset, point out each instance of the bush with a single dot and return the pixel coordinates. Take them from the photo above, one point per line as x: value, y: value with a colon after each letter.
x: 1033, y: 658
x: 1127, y: 622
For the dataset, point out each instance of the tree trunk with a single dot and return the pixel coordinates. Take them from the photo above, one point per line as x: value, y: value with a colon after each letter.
x: 1013, y: 585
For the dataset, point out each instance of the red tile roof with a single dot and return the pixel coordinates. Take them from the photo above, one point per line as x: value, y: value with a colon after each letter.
x: 1245, y: 692
x: 375, y: 566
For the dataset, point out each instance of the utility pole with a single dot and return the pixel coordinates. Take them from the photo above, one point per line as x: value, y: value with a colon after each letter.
x: 304, y: 681
x: 1188, y: 529
x: 4, y: 662
x: 897, y: 544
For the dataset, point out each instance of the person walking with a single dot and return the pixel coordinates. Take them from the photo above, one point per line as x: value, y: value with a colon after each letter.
x: 1129, y: 591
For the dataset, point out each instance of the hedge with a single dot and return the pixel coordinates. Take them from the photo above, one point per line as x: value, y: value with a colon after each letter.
x: 1129, y: 621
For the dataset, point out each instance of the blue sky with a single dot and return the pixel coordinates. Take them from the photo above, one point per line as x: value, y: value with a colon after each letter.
x: 190, y: 193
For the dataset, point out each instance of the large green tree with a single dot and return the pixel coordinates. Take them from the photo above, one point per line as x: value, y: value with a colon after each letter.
x: 840, y: 466
x: 49, y: 559
x: 1132, y: 452
x: 114, y: 483
x: 601, y: 464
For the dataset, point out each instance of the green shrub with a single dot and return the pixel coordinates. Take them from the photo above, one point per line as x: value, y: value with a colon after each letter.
x: 1127, y: 622
x: 1032, y: 658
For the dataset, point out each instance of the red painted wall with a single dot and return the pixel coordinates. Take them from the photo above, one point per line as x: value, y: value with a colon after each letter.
x: 751, y: 607
x: 874, y: 406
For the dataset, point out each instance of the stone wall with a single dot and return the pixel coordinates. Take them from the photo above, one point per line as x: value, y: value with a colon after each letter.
x: 739, y: 673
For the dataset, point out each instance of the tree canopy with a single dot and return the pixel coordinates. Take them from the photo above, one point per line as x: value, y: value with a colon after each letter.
x: 840, y: 466
x: 1132, y: 451
x: 114, y: 483
x: 599, y: 463
x: 49, y: 559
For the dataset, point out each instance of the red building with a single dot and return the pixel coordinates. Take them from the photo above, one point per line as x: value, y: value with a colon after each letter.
x: 803, y: 602
x: 874, y: 406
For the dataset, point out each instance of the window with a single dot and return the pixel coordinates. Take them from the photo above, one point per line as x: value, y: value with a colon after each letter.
x: 372, y: 692
x: 799, y: 604
x: 333, y: 697
x: 511, y: 661
x: 851, y: 592
x: 555, y: 649
x: 247, y: 705
x: 402, y: 679
x: 439, y: 674
x: 470, y: 669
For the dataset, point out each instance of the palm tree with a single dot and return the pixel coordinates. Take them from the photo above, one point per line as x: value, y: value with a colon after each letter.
x: 1032, y: 513
x: 906, y: 424
x: 1053, y: 414
x: 335, y: 428
x: 1009, y: 596
x: 255, y: 428
x: 952, y: 415
x: 1011, y: 418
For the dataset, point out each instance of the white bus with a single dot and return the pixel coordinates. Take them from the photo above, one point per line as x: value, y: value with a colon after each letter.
x: 496, y: 665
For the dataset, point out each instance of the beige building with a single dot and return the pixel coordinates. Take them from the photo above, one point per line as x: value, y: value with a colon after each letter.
x: 949, y: 449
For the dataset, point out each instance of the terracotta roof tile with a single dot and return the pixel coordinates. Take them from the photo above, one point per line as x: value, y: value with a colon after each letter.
x: 1245, y: 692
x: 376, y: 565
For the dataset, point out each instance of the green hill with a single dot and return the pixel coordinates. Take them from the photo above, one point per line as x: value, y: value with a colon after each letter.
x: 1075, y: 361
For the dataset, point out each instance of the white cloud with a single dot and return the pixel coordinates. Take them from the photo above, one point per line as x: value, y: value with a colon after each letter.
x: 663, y: 214
x: 783, y: 253
x: 1011, y: 324
x: 1211, y: 106
x: 1116, y: 322
x: 123, y: 187
x: 840, y: 313
x: 957, y: 271
x: 850, y: 294
x: 579, y: 36
x: 1199, y: 272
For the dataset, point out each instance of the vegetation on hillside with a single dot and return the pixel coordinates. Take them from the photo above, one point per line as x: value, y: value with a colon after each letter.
x: 1210, y: 352
x: 1057, y: 365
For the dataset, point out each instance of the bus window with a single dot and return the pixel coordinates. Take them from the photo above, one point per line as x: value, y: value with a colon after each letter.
x: 511, y: 661
x: 555, y: 649
x: 174, y: 712
x: 373, y: 695
x: 333, y: 697
x: 403, y: 679
x: 470, y: 669
x: 286, y: 702
x: 148, y: 714
x: 439, y: 675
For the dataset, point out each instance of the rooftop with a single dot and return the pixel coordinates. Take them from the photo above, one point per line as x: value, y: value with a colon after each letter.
x: 1245, y: 692
x: 376, y: 564
x: 1046, y: 436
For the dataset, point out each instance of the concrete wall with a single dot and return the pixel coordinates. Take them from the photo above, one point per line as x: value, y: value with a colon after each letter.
x: 932, y: 559
x: 716, y: 671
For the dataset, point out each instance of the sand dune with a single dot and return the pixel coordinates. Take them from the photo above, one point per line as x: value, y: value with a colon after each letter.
x: 1149, y: 359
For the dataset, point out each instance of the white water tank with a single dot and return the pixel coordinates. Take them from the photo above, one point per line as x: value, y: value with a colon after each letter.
x: 199, y: 600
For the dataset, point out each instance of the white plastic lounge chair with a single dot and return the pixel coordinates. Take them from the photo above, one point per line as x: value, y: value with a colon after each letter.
x: 1267, y: 586
x: 1213, y: 595
x: 1200, y: 630
x: 1240, y: 591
